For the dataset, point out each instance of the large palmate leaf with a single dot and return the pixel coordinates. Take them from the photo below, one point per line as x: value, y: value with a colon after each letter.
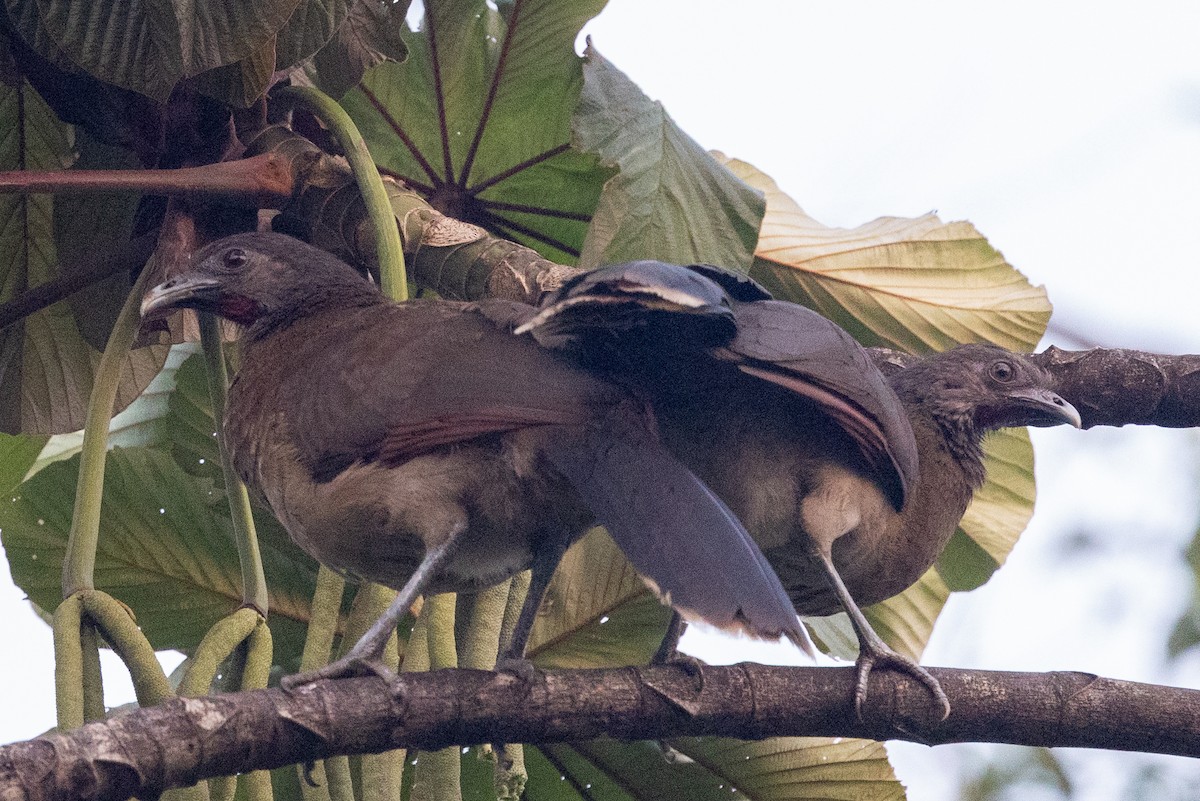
x: 597, y: 611
x: 166, y: 549
x: 913, y: 284
x: 713, y: 769
x: 46, y: 367
x: 370, y: 35
x: 478, y: 119
x: 149, y: 47
x: 143, y: 422
x: 166, y: 544
x: 670, y: 199
x: 997, y: 515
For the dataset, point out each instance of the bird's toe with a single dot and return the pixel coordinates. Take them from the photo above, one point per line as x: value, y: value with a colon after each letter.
x: 348, y: 667
x: 868, y: 660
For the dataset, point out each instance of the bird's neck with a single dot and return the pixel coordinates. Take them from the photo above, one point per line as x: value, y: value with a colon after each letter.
x: 312, y: 302
x: 945, y: 422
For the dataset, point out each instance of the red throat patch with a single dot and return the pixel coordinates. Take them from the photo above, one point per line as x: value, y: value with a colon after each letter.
x: 240, y: 309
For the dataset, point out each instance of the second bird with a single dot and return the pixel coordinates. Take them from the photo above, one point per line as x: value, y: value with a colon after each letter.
x: 851, y: 484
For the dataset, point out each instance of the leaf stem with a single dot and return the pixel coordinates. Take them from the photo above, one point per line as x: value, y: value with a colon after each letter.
x: 392, y: 277
x: 254, y: 583
x: 79, y: 566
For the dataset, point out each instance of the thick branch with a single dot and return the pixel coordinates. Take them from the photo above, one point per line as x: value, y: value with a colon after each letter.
x: 1115, y: 387
x: 146, y: 751
x: 1111, y: 386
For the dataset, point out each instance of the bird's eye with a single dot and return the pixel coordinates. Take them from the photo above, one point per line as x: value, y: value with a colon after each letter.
x: 1002, y: 371
x: 235, y: 258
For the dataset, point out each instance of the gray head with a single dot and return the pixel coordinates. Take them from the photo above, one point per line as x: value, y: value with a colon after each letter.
x: 260, y: 280
x: 985, y: 387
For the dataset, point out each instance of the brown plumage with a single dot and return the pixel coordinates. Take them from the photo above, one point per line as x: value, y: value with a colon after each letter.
x: 851, y: 485
x: 424, y: 446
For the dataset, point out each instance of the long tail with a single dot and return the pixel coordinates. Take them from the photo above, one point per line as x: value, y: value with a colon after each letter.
x: 682, y: 539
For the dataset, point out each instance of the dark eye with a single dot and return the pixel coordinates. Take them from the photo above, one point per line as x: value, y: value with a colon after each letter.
x: 1002, y: 371
x: 235, y: 258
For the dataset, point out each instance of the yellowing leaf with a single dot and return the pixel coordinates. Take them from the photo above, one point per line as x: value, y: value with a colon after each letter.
x: 913, y: 284
x: 597, y: 611
x: 905, y: 621
x: 1002, y: 507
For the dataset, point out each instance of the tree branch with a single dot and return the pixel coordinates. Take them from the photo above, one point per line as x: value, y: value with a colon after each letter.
x: 1115, y: 387
x: 146, y: 751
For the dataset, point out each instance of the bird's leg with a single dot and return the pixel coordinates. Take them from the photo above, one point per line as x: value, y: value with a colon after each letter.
x: 545, y: 560
x: 366, y: 657
x: 873, y: 652
x: 668, y: 651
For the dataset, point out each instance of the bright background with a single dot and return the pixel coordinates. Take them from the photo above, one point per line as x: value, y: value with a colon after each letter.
x: 1069, y: 134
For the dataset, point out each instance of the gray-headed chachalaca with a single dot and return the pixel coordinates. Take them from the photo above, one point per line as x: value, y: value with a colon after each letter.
x: 851, y: 485
x: 424, y: 446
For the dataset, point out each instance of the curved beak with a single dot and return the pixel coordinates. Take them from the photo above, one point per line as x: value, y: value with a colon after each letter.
x: 186, y: 290
x: 1046, y: 408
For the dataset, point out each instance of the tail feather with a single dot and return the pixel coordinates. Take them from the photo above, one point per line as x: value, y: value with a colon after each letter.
x: 678, y: 535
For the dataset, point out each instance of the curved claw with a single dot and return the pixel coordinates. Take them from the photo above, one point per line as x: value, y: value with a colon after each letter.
x: 344, y: 668
x: 871, y: 657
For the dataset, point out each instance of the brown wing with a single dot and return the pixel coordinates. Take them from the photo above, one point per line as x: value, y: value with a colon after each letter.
x: 390, y: 382
x: 797, y: 349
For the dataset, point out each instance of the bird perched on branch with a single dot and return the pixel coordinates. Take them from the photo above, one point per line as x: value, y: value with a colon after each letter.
x: 851, y: 484
x: 424, y: 446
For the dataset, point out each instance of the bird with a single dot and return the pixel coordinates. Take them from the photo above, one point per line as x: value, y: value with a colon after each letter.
x: 425, y: 446
x: 850, y: 482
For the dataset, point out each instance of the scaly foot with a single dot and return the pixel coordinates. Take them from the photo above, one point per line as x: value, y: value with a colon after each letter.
x: 347, y: 667
x: 874, y: 655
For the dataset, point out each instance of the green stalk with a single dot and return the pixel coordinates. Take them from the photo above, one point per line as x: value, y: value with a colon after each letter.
x: 254, y: 582
x: 79, y: 566
x: 437, y: 776
x: 393, y: 279
x: 68, y: 663
x: 219, y: 642
x: 150, y: 684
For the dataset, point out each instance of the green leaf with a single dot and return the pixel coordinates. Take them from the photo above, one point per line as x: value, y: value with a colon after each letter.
x: 166, y: 549
x: 478, y: 119
x: 17, y: 456
x: 95, y: 228
x: 778, y: 769
x: 370, y: 36
x: 149, y: 46
x: 45, y: 366
x: 671, y: 200
x: 999, y: 512
x: 913, y: 284
x: 597, y: 611
x: 242, y: 82
x: 143, y: 422
x: 310, y: 27
x: 1003, y: 506
x: 193, y: 432
x: 905, y: 621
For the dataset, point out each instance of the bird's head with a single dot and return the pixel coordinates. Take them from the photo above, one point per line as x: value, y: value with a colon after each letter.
x: 259, y: 279
x: 983, y: 387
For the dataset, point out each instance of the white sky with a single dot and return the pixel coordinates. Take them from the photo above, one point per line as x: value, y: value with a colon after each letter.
x: 1069, y: 133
